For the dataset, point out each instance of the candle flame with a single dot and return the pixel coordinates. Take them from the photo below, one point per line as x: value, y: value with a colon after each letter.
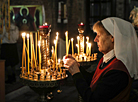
x: 39, y: 43
x: 27, y: 36
x: 45, y: 23
x: 58, y: 60
x: 66, y: 33
x: 87, y: 38
x: 81, y: 23
x: 71, y: 39
x: 78, y: 37
x: 23, y: 34
x: 57, y: 33
x: 54, y: 41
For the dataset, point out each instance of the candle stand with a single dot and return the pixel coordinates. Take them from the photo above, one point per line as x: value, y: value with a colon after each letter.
x: 81, y: 56
x: 41, y: 87
x: 42, y: 75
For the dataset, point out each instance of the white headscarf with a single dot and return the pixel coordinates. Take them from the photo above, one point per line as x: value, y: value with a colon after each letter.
x: 125, y: 43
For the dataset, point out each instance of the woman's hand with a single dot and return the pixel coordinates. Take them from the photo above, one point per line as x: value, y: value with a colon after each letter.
x: 71, y: 64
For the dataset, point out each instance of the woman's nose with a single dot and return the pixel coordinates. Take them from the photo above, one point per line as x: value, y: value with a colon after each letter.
x: 95, y: 39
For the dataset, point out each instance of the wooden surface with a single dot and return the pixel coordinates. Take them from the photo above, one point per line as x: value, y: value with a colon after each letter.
x: 2, y: 80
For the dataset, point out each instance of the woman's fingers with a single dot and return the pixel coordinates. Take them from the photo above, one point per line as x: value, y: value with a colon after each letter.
x: 66, y: 66
x: 68, y: 56
x: 68, y: 61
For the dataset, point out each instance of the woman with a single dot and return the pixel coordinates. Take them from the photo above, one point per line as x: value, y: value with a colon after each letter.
x: 112, y: 80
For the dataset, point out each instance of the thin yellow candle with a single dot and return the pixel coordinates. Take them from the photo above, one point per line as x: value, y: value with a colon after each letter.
x: 83, y: 44
x: 36, y: 44
x: 55, y: 42
x: 38, y: 35
x: 59, y: 66
x: 34, y: 58
x: 23, y: 52
x: 31, y: 48
x: 77, y: 46
x: 68, y: 46
x: 78, y: 38
x: 66, y: 34
x: 72, y: 46
x: 86, y: 48
x: 52, y: 51
x: 25, y: 60
x: 56, y: 47
x: 39, y: 56
x: 90, y: 48
x: 87, y: 45
x: 53, y: 56
x: 28, y: 51
x: 33, y: 54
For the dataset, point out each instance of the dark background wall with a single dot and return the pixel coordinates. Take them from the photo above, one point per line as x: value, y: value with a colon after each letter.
x: 77, y: 11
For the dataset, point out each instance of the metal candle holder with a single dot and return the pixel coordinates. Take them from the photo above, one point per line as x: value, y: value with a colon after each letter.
x: 46, y: 78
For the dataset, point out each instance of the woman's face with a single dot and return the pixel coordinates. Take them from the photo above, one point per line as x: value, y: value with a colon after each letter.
x: 104, y: 41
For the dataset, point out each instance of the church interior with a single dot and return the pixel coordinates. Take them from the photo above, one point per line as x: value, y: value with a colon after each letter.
x: 63, y: 27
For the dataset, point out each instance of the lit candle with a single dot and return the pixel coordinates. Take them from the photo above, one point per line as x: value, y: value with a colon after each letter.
x: 66, y: 34
x: 25, y: 60
x: 55, y: 53
x: 78, y: 38
x: 86, y: 48
x: 39, y: 56
x: 87, y: 45
x: 59, y: 66
x: 72, y: 46
x: 53, y: 56
x: 77, y: 47
x: 58, y: 61
x: 31, y: 48
x: 23, y: 52
x: 28, y: 51
x: 83, y: 44
x: 68, y: 46
x: 52, y: 52
x: 55, y: 42
x: 34, y: 59
x: 45, y: 24
x: 38, y: 35
x: 36, y: 44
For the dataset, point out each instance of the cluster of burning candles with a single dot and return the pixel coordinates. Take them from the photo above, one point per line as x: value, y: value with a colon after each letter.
x: 81, y: 56
x: 33, y: 70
